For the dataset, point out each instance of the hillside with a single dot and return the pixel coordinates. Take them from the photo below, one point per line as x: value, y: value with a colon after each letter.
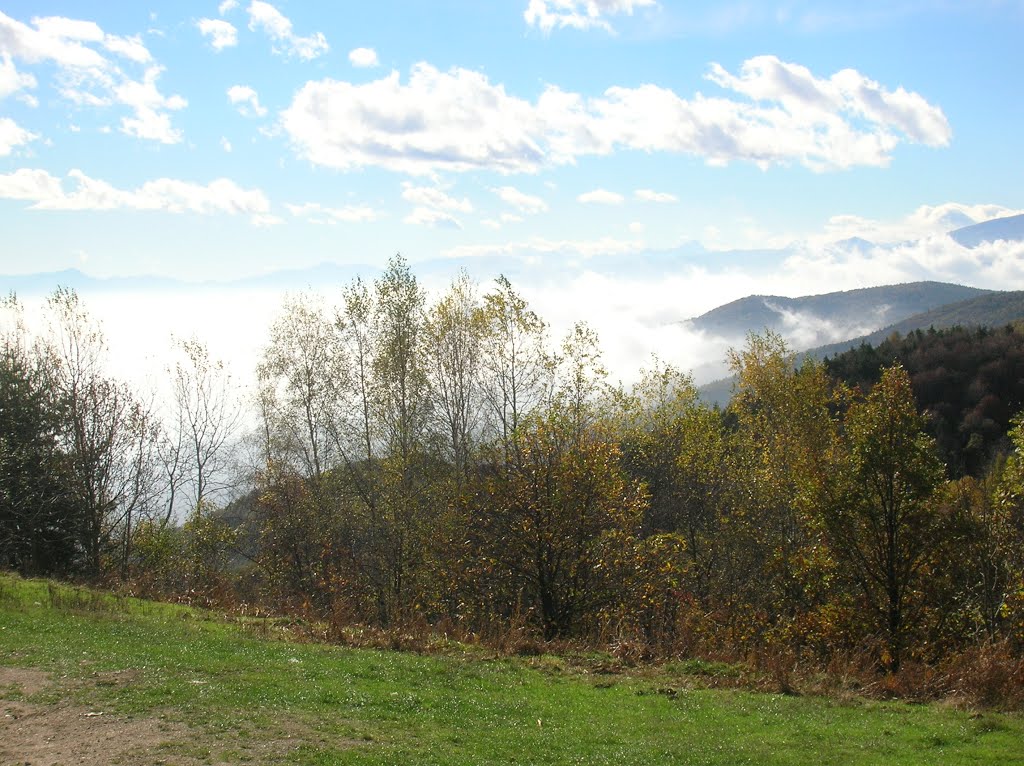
x: 993, y: 309
x: 91, y: 678
x: 855, y: 310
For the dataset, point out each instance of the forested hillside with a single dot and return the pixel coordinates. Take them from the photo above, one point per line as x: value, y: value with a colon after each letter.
x: 416, y: 461
x: 969, y: 383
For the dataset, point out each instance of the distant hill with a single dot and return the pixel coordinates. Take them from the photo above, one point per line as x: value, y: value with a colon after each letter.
x: 850, y: 313
x: 1010, y: 228
x: 994, y: 309
x: 984, y: 309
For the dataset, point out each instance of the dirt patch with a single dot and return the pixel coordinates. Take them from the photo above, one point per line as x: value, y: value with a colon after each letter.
x: 25, y: 681
x: 48, y: 735
x: 70, y: 733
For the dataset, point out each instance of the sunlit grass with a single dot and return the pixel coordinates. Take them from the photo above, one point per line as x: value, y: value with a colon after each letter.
x: 336, y: 705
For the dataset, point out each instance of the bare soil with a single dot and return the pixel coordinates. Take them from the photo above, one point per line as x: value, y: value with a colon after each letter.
x: 62, y: 733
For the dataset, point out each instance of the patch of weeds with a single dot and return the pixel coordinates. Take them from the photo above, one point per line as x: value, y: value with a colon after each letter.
x: 72, y: 599
x: 705, y: 668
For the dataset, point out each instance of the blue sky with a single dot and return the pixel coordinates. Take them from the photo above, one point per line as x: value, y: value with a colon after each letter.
x: 212, y: 141
x: 292, y: 133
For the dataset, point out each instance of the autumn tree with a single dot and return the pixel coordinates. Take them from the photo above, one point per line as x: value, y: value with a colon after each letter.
x: 882, y: 525
x: 544, y: 525
x: 682, y: 452
x: 40, y: 522
x: 453, y: 336
x: 196, y: 444
x: 787, y: 437
x: 517, y: 365
x: 300, y: 381
x: 108, y: 434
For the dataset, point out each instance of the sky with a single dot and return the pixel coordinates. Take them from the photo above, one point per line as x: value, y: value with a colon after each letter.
x: 209, y: 142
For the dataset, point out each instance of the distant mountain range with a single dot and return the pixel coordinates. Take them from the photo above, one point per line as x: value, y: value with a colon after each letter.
x: 851, y: 313
x: 1010, y: 228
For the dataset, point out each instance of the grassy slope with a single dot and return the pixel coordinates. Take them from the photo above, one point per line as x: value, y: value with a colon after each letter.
x: 372, y: 707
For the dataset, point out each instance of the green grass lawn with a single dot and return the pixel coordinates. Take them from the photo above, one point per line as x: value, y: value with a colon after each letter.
x: 243, y: 698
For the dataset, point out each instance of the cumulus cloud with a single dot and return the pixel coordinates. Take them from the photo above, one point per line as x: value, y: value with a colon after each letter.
x: 226, y: 6
x: 86, y: 76
x: 278, y: 28
x: 222, y: 34
x: 649, y: 195
x: 601, y: 197
x: 363, y: 57
x: 777, y: 114
x: 247, y: 101
x: 524, y: 203
x: 47, y: 192
x: 766, y: 78
x: 547, y: 15
x: 12, y: 136
x: 314, y: 212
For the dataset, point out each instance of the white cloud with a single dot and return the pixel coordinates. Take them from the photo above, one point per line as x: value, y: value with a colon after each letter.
x: 226, y: 145
x: 314, y: 212
x: 363, y: 57
x: 11, y: 80
x: 130, y: 48
x: 925, y: 221
x: 601, y: 197
x: 525, y: 203
x: 427, y: 196
x: 87, y: 77
x: 47, y: 192
x: 222, y: 33
x: 29, y: 184
x: 578, y: 14
x: 151, y: 119
x: 460, y: 121
x: 428, y: 216
x: 433, y: 206
x: 766, y: 78
x: 12, y: 136
x: 226, y: 6
x: 279, y: 29
x: 649, y: 195
x: 52, y: 39
x: 247, y: 101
